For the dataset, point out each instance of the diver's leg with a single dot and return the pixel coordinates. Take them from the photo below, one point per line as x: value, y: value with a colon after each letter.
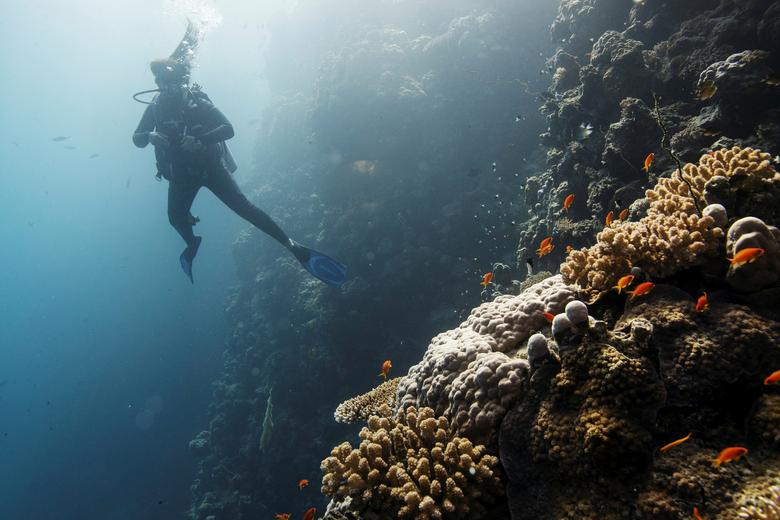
x: 180, y: 197
x: 221, y: 183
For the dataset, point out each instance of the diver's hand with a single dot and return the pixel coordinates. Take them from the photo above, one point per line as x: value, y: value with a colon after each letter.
x: 191, y: 144
x: 157, y: 139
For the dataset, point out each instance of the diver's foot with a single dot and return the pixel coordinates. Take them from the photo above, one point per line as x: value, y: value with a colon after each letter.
x: 188, y: 255
x: 300, y: 252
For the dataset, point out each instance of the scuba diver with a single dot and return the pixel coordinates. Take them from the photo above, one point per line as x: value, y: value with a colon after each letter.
x: 188, y: 134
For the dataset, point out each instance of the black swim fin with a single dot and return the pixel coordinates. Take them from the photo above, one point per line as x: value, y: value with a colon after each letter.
x: 321, y: 266
x: 187, y: 256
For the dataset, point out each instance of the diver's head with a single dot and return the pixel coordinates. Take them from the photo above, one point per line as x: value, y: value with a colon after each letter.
x: 172, y: 76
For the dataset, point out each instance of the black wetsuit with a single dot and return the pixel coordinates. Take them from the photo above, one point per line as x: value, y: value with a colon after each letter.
x: 186, y: 171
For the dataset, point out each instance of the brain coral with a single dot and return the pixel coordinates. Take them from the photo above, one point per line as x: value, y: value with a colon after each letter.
x: 361, y: 407
x: 672, y: 236
x: 413, y: 467
x: 469, y: 374
x: 764, y: 271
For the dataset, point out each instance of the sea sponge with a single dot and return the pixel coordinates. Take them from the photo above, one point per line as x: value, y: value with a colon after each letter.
x: 765, y: 270
x: 672, y: 236
x: 470, y: 374
x: 412, y: 466
x: 361, y: 407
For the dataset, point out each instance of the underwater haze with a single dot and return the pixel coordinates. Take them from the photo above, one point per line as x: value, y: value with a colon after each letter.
x: 448, y: 259
x: 107, y: 351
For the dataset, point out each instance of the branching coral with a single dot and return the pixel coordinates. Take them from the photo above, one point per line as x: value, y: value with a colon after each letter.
x: 361, y: 407
x: 469, y: 374
x: 672, y: 236
x: 413, y: 466
x: 764, y: 504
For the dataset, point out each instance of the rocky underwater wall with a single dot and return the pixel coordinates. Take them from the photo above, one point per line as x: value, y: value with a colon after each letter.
x: 388, y: 146
x: 638, y: 383
x: 552, y: 399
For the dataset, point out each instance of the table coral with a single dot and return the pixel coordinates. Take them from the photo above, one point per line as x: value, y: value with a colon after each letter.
x: 361, y: 407
x: 413, y: 466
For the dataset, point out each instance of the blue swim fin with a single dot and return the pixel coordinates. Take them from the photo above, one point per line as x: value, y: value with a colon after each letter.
x: 319, y: 265
x: 187, y: 256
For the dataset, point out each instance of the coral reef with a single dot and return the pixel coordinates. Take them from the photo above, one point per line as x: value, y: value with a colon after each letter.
x: 411, y: 466
x: 762, y: 501
x: 361, y: 407
x: 469, y: 374
x: 763, y: 272
x: 671, y: 237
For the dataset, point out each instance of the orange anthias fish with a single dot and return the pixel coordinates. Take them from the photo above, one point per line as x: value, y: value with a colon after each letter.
x: 747, y: 255
x: 623, y: 214
x: 641, y: 289
x: 303, y: 482
x: 549, y: 316
x: 386, y: 366
x: 624, y: 282
x: 729, y: 454
x: 546, y: 250
x: 608, y: 220
x: 309, y: 514
x: 282, y: 516
x: 773, y: 378
x: 567, y: 202
x: 545, y: 242
x: 486, y: 279
x: 672, y: 444
x: 569, y: 249
x: 696, y: 515
x: 703, y: 303
x: 648, y: 162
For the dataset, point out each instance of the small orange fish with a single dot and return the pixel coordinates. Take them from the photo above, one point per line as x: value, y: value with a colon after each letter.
x: 729, y: 454
x: 672, y: 444
x: 623, y: 214
x: 303, y: 482
x: 747, y: 255
x: 486, y: 279
x: 544, y: 243
x: 773, y: 378
x: 703, y: 303
x: 608, y: 220
x: 386, y: 366
x: 549, y: 316
x: 309, y: 514
x: 641, y: 289
x: 282, y: 516
x: 567, y: 202
x: 696, y: 515
x: 624, y: 282
x: 569, y: 249
x: 546, y: 250
x: 648, y: 162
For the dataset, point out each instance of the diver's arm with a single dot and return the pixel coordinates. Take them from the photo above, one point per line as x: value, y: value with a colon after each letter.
x: 146, y: 125
x: 222, y: 129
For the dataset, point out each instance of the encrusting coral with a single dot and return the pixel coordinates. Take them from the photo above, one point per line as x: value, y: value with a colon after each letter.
x: 469, y: 374
x: 363, y: 406
x: 672, y: 236
x: 413, y: 466
x: 762, y: 503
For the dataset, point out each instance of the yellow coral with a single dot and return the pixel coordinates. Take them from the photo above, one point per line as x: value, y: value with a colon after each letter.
x: 361, y: 407
x: 411, y: 465
x: 672, y: 236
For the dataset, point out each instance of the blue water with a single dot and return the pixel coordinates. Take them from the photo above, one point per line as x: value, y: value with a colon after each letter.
x: 106, y: 350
